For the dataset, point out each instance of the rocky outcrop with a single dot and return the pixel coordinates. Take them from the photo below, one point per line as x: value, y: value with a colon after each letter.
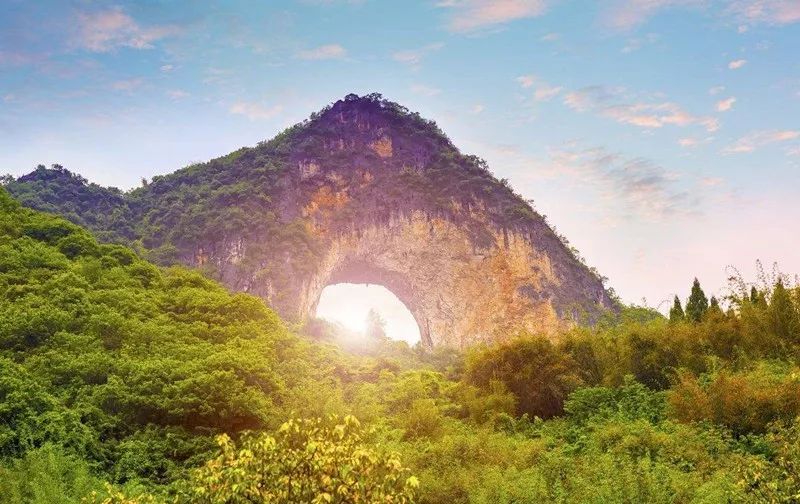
x: 368, y: 192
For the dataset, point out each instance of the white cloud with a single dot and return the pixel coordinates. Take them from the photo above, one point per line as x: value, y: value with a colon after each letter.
x: 424, y: 90
x: 627, y: 14
x: 414, y: 57
x: 716, y: 90
x: 614, y: 104
x: 550, y: 37
x: 107, y: 30
x: 471, y: 15
x: 726, y: 104
x: 756, y: 139
x: 329, y: 51
x: 476, y: 109
x: 167, y: 68
x: 255, y: 111
x: 9, y: 97
x: 737, y: 64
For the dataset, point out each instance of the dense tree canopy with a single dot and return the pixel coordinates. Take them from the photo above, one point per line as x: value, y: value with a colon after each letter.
x: 118, y: 379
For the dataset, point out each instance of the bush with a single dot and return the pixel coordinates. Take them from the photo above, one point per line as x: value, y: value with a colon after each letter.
x: 305, y: 461
x: 531, y: 368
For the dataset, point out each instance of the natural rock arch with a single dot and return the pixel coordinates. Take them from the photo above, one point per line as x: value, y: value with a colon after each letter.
x: 457, y: 293
x: 364, y: 192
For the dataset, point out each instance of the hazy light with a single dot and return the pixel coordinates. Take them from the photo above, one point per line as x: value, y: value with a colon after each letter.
x: 349, y: 304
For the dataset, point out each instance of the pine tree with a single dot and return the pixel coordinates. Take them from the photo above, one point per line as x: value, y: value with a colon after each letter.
x: 697, y: 305
x: 676, y: 312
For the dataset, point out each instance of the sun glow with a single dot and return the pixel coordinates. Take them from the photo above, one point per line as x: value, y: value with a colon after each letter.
x: 348, y: 304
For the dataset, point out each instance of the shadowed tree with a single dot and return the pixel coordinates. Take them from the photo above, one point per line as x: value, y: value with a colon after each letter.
x: 676, y: 312
x: 697, y: 305
x: 783, y: 317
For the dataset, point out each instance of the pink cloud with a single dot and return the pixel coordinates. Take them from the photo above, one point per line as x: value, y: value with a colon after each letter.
x: 471, y: 15
x: 757, y: 139
x: 626, y: 14
x: 778, y: 12
x: 107, y: 30
x: 613, y: 104
x: 737, y: 64
x: 726, y: 104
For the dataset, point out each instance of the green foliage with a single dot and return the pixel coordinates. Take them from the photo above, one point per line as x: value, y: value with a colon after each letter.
x: 676, y: 312
x: 46, y: 475
x: 531, y: 368
x: 697, y: 304
x: 118, y: 377
x: 304, y: 461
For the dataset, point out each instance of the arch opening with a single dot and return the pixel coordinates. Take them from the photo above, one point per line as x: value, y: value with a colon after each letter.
x: 349, y: 304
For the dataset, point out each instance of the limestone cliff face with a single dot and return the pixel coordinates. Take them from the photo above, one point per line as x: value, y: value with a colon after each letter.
x: 368, y: 192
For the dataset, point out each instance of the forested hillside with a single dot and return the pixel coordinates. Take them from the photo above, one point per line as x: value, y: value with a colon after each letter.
x: 124, y: 382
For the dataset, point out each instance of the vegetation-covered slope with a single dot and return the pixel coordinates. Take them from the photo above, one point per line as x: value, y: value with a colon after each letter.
x: 112, y: 369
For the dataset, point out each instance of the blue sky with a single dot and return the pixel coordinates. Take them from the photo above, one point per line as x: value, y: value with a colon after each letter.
x: 661, y: 136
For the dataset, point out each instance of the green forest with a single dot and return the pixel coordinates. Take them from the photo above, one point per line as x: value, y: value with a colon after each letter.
x: 125, y: 382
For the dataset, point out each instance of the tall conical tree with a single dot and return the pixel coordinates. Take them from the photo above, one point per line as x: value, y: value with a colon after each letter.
x: 783, y: 315
x: 714, y: 310
x: 697, y: 305
x: 676, y: 312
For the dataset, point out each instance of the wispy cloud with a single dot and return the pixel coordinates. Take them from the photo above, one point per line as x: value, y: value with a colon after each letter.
x: 726, y: 104
x: 692, y: 142
x: 107, y: 30
x: 613, y: 103
x: 737, y: 64
x: 774, y: 12
x: 716, y: 90
x: 324, y: 52
x: 476, y: 109
x: 626, y: 14
x: 254, y: 110
x: 177, y: 94
x: 414, y: 57
x: 642, y: 187
x: 637, y: 43
x: 472, y: 15
x: 542, y: 91
x: 424, y: 90
x: 128, y: 84
x: 756, y: 139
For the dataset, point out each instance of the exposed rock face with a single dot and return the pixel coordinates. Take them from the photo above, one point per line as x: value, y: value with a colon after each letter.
x: 367, y: 192
x: 459, y: 294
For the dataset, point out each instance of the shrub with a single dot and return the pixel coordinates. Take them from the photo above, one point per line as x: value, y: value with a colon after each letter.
x: 531, y: 368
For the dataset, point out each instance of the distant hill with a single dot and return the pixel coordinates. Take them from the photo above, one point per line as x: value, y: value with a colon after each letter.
x: 363, y: 191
